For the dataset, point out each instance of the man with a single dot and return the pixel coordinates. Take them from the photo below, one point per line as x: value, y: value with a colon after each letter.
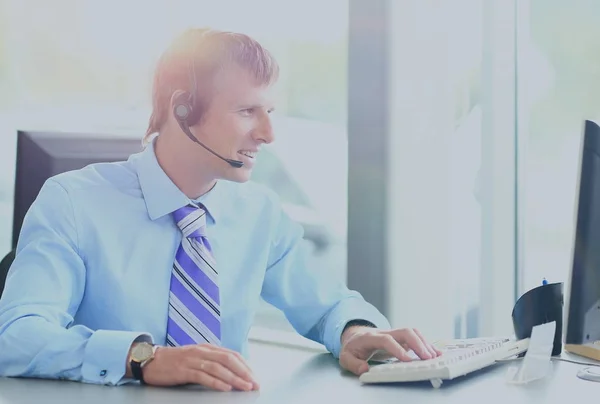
x: 152, y: 268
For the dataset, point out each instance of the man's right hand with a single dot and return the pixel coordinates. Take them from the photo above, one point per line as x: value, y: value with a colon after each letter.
x: 205, y: 364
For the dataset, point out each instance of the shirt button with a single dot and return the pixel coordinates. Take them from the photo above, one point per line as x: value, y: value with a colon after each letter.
x: 103, y: 373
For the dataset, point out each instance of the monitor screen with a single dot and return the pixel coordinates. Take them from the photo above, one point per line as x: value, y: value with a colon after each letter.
x: 41, y: 155
x: 583, y: 303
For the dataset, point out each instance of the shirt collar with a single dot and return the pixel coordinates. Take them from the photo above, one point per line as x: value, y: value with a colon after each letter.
x: 161, y: 195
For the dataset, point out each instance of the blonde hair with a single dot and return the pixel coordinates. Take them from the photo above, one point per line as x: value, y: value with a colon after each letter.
x: 194, y: 57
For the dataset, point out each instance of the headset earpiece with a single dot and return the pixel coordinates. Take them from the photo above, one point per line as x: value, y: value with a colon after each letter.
x: 181, y: 111
x: 185, y: 109
x: 182, y: 108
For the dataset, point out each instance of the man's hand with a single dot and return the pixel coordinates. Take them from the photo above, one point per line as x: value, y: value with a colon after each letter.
x: 205, y: 364
x: 359, y: 343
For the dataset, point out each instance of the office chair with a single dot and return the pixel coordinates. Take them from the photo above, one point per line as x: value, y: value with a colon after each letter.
x: 4, y: 267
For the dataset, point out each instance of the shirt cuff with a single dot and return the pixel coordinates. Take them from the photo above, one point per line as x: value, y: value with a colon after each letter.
x: 346, y: 311
x: 358, y: 323
x: 106, y: 355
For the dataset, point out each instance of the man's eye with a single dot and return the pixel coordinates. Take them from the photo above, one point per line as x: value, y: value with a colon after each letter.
x: 247, y: 111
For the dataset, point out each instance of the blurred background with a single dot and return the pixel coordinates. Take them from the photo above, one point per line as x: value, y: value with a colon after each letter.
x: 462, y: 118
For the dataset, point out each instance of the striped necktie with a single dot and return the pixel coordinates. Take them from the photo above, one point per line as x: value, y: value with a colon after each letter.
x: 194, y: 308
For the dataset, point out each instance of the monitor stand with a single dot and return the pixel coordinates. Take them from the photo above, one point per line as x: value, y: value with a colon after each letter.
x: 591, y: 350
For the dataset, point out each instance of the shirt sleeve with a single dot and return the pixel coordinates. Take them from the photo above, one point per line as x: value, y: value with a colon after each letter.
x: 316, y: 304
x: 44, y: 287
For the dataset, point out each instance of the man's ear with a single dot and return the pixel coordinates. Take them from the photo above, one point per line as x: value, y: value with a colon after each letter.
x: 178, y: 95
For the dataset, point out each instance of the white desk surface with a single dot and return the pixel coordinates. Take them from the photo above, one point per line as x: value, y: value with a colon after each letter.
x: 290, y: 375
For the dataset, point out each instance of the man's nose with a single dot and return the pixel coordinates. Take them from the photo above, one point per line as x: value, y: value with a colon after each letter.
x: 264, y: 132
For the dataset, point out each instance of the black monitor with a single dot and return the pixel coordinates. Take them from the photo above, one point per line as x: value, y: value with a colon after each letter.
x: 41, y: 155
x: 583, y: 303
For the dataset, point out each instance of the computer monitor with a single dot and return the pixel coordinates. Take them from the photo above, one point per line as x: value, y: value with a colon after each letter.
x: 41, y: 155
x: 583, y: 302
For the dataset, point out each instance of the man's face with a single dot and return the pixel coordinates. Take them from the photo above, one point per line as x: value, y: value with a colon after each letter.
x: 236, y: 123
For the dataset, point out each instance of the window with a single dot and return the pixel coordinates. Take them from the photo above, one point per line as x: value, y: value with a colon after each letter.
x: 86, y: 66
x: 450, y: 211
x: 446, y: 90
x: 559, y: 87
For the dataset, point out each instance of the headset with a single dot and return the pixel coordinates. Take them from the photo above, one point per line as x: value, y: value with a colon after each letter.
x: 187, y: 113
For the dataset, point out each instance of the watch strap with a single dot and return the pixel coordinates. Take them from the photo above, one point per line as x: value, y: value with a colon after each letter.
x: 136, y: 371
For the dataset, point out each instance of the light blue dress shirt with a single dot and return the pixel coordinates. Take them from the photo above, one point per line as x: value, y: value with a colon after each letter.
x: 94, y: 262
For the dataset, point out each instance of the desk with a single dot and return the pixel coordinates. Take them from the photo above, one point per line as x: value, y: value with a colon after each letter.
x: 290, y: 375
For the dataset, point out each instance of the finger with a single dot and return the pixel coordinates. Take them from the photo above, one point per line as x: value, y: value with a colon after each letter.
x: 427, y: 345
x: 205, y: 379
x: 410, y: 338
x: 353, y: 364
x: 243, y: 361
x: 246, y: 373
x: 239, y: 356
x: 230, y: 351
x: 220, y: 372
x: 389, y: 344
x: 432, y: 350
x: 231, y: 362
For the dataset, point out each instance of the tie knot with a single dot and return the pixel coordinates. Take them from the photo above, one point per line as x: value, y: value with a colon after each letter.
x: 191, y: 220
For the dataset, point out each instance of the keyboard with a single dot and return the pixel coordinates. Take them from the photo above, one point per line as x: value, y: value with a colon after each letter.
x: 459, y: 357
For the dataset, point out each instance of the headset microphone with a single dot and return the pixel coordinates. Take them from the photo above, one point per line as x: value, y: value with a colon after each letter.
x: 182, y: 111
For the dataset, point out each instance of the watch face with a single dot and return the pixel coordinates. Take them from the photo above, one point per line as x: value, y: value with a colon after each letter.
x: 141, y: 352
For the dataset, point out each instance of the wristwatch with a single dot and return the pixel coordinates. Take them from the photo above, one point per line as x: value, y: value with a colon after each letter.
x: 141, y: 355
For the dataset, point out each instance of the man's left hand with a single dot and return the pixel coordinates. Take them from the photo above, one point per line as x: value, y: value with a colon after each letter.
x: 359, y: 343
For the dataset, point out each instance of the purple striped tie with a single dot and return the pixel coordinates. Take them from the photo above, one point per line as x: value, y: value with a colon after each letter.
x: 194, y: 307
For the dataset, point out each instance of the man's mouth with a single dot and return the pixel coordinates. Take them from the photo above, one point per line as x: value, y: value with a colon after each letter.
x: 248, y: 153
